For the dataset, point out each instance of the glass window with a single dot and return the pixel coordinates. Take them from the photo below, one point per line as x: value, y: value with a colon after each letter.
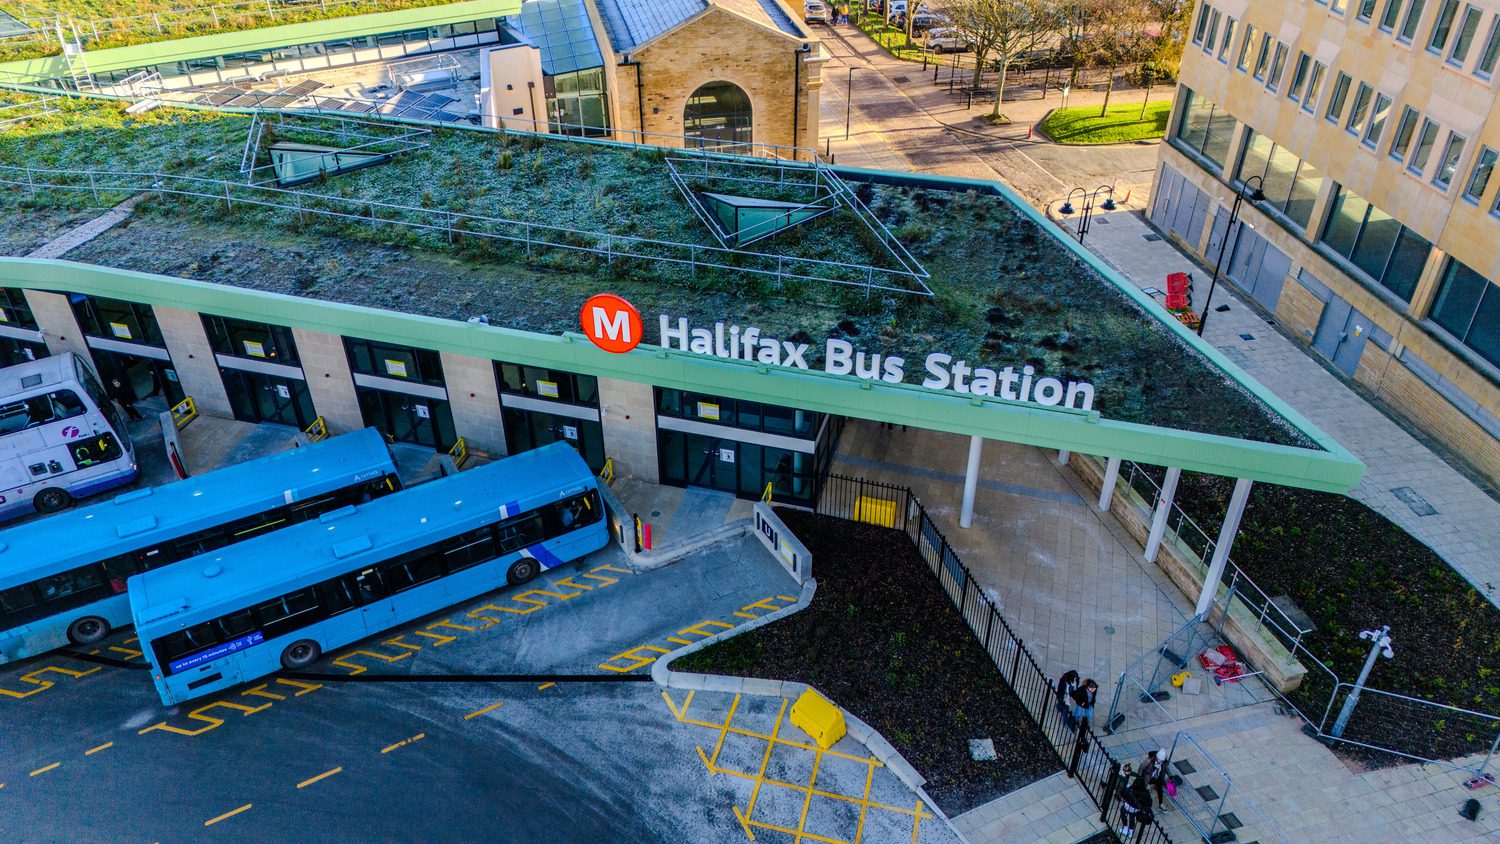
x: 1389, y: 15
x: 14, y: 309
x: 1486, y: 64
x: 1263, y: 57
x: 1377, y: 121
x: 1460, y: 52
x: 1338, y: 6
x: 1299, y: 76
x: 1484, y: 165
x: 1467, y: 306
x: 1227, y: 40
x: 1278, y: 64
x: 1201, y: 27
x: 1443, y: 26
x: 552, y: 384
x: 1402, y: 141
x: 1243, y: 62
x: 1313, y: 81
x: 1305, y: 187
x: 1425, y: 140
x: 1366, y: 9
x: 1213, y: 30
x: 1413, y: 17
x: 1290, y: 185
x: 1375, y: 244
x: 386, y: 360
x: 1340, y: 93
x: 718, y: 116
x: 1448, y: 165
x: 1361, y: 108
x: 255, y: 340
x: 116, y: 319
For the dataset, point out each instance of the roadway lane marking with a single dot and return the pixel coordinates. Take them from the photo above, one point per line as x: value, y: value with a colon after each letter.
x: 404, y: 742
x: 46, y: 769
x: 478, y: 712
x: 323, y: 776
x: 104, y: 746
x: 545, y: 686
x: 228, y: 814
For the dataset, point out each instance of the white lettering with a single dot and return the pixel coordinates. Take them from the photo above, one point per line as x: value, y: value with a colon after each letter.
x: 770, y: 353
x: 734, y: 341
x: 680, y: 333
x: 749, y: 338
x: 871, y: 372
x: 960, y: 372
x: 702, y: 342
x: 1085, y: 393
x: 983, y: 383
x: 719, y: 340
x: 1008, y: 383
x: 1026, y: 383
x: 615, y: 328
x: 794, y: 353
x: 838, y: 357
x: 893, y: 372
x: 1049, y: 392
x: 938, y: 379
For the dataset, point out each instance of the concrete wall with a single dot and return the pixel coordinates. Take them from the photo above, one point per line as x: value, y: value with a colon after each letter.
x: 193, y: 359
x: 475, y: 401
x: 721, y: 46
x: 60, y: 328
x: 325, y: 365
x: 511, y: 82
x: 628, y: 410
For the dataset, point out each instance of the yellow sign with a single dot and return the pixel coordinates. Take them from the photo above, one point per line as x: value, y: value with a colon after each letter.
x: 708, y: 411
x: 120, y: 330
x: 547, y: 389
x: 395, y: 367
x: 255, y: 349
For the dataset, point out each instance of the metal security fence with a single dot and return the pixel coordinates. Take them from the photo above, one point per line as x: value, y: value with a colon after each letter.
x: 1087, y: 761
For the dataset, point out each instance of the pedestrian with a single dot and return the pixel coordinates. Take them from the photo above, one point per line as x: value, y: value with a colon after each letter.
x: 125, y: 397
x: 1083, y: 701
x: 1154, y: 771
x: 1135, y: 803
x: 1065, y: 686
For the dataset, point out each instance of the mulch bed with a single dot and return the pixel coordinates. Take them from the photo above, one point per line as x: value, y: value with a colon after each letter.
x: 1351, y: 569
x: 883, y: 641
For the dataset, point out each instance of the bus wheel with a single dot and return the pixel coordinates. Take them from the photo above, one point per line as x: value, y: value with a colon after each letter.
x: 300, y: 654
x: 51, y: 500
x: 89, y: 630
x: 521, y: 571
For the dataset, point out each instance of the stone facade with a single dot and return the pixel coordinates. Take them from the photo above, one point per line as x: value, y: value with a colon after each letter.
x: 1449, y: 93
x: 193, y: 359
x: 474, y: 399
x: 628, y: 410
x: 780, y: 73
x: 325, y: 365
x: 60, y: 329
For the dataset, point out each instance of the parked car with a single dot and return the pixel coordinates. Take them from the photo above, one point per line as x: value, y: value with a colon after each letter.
x: 946, y: 40
x: 923, y: 21
x: 815, y: 12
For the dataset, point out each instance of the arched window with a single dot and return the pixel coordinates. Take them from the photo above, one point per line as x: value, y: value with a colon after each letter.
x: 717, y: 116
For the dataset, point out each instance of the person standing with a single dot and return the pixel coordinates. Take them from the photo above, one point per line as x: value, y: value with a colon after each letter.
x: 1154, y: 772
x: 1065, y: 686
x: 125, y: 396
x: 1083, y: 701
x: 1135, y: 803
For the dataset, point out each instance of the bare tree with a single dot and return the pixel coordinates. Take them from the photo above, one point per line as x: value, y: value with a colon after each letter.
x: 1162, y: 56
x: 1006, y: 29
x: 1122, y: 35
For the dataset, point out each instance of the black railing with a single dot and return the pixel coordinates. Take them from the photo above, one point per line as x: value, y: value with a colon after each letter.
x: 1087, y: 761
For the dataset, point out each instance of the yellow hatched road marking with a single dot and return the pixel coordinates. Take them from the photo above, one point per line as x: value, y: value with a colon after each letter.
x: 403, y: 742
x: 104, y: 746
x: 864, y: 805
x: 442, y: 639
x: 545, y: 686
x: 568, y: 582
x: 807, y: 801
x: 747, y: 823
x: 397, y: 643
x: 323, y: 776
x: 765, y: 761
x: 260, y: 691
x: 32, y: 677
x: 298, y: 684
x: 197, y: 715
x: 636, y: 660
x: 831, y: 795
x: 356, y: 668
x: 231, y: 813
x: 916, y: 822
x: 449, y: 624
x: 491, y: 708
x: 46, y: 769
x: 682, y: 716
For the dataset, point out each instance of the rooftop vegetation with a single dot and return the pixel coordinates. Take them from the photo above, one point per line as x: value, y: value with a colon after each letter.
x: 1005, y: 292
x: 120, y: 23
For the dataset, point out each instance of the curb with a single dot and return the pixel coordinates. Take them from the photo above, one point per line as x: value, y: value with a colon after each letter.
x: 671, y: 553
x: 857, y: 730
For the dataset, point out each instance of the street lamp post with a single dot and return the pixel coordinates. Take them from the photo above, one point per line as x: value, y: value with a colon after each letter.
x: 848, y: 102
x: 1255, y: 195
x: 1380, y: 645
x: 1088, y: 206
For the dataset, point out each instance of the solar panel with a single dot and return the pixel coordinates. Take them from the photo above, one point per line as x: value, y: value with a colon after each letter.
x: 224, y: 95
x: 302, y: 89
x: 276, y: 101
x: 438, y: 101
x: 244, y: 100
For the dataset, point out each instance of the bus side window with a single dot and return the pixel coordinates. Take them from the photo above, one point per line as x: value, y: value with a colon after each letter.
x: 519, y: 533
x: 98, y: 449
x: 68, y: 583
x: 17, y: 598
x: 470, y: 549
x: 369, y: 587
x: 237, y: 624
x: 14, y: 417
x: 281, y: 615
x: 334, y: 596
x: 66, y: 405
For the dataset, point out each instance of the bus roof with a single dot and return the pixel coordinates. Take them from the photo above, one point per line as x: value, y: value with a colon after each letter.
x: 35, y: 374
x: 264, y: 567
x: 140, y: 517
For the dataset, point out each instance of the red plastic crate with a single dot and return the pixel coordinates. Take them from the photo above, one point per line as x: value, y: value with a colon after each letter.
x: 1178, y: 283
x: 1177, y: 301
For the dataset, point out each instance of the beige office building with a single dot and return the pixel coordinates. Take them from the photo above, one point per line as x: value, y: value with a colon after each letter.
x: 1373, y: 129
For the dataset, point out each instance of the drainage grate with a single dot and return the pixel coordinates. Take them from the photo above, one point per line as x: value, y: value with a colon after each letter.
x: 1412, y: 499
x: 1230, y: 821
x: 1247, y: 336
x: 1152, y: 237
x: 1103, y: 221
x: 1207, y: 793
x: 901, y: 80
x: 1183, y: 766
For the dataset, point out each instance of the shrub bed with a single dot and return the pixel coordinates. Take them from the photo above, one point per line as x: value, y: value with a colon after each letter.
x: 883, y: 641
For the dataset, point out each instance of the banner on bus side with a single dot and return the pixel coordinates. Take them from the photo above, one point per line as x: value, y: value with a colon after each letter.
x: 216, y: 652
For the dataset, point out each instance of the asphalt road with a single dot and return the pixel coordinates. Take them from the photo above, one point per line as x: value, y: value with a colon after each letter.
x: 89, y: 753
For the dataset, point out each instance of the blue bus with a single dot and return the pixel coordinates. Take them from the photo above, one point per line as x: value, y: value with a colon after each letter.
x: 228, y: 617
x: 63, y: 578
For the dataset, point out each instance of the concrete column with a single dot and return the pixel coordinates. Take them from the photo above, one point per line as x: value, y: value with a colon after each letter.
x: 1062, y: 457
x: 1111, y: 477
x: 971, y: 482
x: 1162, y: 511
x: 193, y: 359
x: 1227, y: 532
x: 475, y: 402
x: 628, y: 411
x: 60, y: 329
x: 325, y: 365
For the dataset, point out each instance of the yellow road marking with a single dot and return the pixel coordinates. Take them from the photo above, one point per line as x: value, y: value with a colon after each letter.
x: 719, y: 745
x: 323, y: 776
x: 404, y: 742
x: 682, y: 717
x: 397, y: 643
x: 260, y: 691
x: 442, y: 639
x: 228, y: 814
x: 32, y: 677
x: 491, y: 708
x: 568, y: 582
x: 916, y: 822
x: 448, y: 623
x: 305, y: 687
x: 765, y: 761
x: 46, y: 769
x: 807, y: 801
x: 545, y: 686
x: 356, y: 668
x: 637, y: 661
x: 103, y: 746
x: 864, y: 806
x: 197, y: 715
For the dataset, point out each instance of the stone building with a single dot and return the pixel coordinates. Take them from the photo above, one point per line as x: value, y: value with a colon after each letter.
x: 1372, y: 129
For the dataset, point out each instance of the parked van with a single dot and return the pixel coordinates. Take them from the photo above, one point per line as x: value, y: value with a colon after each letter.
x: 946, y: 40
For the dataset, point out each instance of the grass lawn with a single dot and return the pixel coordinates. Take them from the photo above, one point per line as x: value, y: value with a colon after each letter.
x: 1120, y: 124
x: 894, y: 41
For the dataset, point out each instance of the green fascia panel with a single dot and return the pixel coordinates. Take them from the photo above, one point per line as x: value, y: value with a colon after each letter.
x: 908, y: 404
x: 222, y: 43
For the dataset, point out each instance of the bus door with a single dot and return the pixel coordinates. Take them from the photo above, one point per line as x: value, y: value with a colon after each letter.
x: 375, y: 604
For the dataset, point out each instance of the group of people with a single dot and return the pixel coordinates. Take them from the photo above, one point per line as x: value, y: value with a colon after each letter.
x: 1075, y: 700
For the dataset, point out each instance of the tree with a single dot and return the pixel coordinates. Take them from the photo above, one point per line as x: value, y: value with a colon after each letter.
x: 1163, y: 56
x: 1007, y: 29
x: 1123, y: 34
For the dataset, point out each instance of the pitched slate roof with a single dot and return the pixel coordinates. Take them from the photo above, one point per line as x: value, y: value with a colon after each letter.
x: 764, y: 11
x: 631, y: 23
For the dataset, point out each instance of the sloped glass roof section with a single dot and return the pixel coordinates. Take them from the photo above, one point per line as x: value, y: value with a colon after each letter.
x: 561, y: 30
